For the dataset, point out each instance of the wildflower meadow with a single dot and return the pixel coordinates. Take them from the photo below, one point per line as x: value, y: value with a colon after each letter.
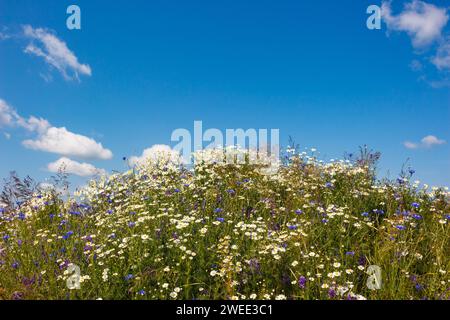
x: 220, y: 229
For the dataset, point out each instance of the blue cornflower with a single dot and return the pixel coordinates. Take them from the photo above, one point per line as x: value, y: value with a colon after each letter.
x: 328, y: 185
x: 365, y: 214
x: 298, y: 211
x: 220, y: 219
x: 350, y: 253
x: 84, y: 206
x: 128, y: 277
x: 67, y: 235
x: 131, y: 224
x: 415, y: 205
x: 218, y: 210
x: 324, y: 220
x: 6, y: 237
x: 15, y: 265
x: 177, y: 190
x: 21, y: 216
x: 109, y: 211
x: 75, y: 213
x: 400, y: 227
x: 292, y: 227
x: 417, y: 216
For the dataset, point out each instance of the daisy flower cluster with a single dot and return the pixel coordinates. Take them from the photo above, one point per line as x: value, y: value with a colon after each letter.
x: 244, y: 228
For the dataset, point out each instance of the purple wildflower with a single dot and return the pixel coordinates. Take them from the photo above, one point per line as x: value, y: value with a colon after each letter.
x: 128, y: 277
x: 302, y: 282
x: 331, y: 293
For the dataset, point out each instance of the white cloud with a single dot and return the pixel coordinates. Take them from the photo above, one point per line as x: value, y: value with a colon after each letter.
x: 63, y: 142
x: 34, y: 124
x: 55, y: 52
x: 7, y: 135
x: 430, y: 141
x: 442, y: 58
x: 73, y: 167
x: 422, y: 21
x: 410, y: 145
x: 7, y: 114
x: 426, y: 142
x: 53, y: 139
x: 155, y: 153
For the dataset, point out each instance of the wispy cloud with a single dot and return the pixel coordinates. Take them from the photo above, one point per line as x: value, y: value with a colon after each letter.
x: 422, y: 21
x: 416, y: 65
x: 7, y: 114
x: 53, y: 139
x: 73, y: 167
x: 55, y: 52
x: 426, y: 143
x: 4, y: 36
x: 442, y: 58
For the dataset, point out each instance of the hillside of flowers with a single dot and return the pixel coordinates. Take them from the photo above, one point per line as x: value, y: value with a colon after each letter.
x: 240, y: 229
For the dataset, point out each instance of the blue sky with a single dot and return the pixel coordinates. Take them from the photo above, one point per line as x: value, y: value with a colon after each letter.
x: 145, y: 68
